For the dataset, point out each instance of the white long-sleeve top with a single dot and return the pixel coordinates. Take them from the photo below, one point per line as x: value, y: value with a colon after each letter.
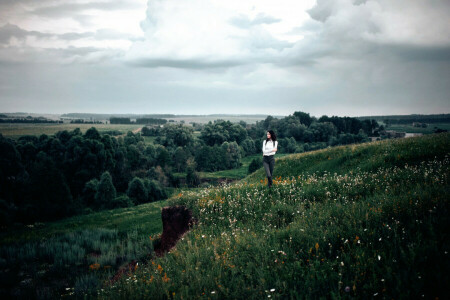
x: 268, y: 147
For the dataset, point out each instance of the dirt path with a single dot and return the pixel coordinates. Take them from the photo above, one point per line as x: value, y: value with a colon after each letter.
x: 137, y: 130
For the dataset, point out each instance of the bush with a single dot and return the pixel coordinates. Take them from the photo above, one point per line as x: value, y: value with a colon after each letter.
x: 137, y: 191
x: 254, y: 165
x: 121, y: 201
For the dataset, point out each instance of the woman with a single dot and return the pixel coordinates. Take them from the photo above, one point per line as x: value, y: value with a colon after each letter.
x: 269, y: 149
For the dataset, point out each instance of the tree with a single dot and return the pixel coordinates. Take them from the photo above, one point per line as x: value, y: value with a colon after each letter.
x: 137, y: 191
x: 248, y: 146
x: 92, y: 133
x: 89, y: 192
x: 106, y: 191
x: 232, y: 155
x: 222, y: 131
x: 179, y: 159
x: 154, y: 190
x: 49, y: 195
x: 192, y: 177
x: 303, y: 117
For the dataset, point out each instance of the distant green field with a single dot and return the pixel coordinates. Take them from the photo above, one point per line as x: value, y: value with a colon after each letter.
x: 15, y: 130
x: 412, y: 129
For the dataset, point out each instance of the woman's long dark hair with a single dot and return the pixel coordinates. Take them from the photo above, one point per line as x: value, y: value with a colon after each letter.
x: 272, y: 136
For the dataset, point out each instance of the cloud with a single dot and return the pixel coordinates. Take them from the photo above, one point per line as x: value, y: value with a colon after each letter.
x: 61, y: 10
x: 243, y: 21
x: 203, y: 34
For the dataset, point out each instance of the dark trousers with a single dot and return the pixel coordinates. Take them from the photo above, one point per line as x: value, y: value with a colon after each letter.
x: 269, y: 163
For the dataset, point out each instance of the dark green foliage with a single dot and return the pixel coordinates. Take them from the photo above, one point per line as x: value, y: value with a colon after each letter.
x: 249, y: 147
x: 162, y: 156
x: 232, y: 155
x: 155, y: 191
x: 89, y: 192
x: 180, y: 157
x: 106, y: 192
x: 120, y: 202
x: 211, y: 158
x: 151, y: 121
x: 92, y: 134
x: 152, y: 131
x: 223, y: 131
x: 115, y: 120
x: 175, y: 135
x: 137, y: 191
x: 48, y: 196
x: 304, y: 118
x: 192, y: 177
x: 254, y: 165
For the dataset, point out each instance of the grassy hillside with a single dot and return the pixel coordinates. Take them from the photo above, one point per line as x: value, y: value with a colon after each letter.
x: 48, y: 260
x: 362, y: 221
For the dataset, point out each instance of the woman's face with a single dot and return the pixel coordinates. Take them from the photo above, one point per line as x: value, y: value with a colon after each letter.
x: 268, y: 135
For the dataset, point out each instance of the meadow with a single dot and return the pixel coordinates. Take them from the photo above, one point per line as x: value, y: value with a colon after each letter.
x: 43, y: 260
x: 365, y: 221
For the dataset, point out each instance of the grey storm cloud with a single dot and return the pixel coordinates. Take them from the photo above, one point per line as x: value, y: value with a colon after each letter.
x: 347, y: 58
x: 195, y: 64
x: 10, y: 30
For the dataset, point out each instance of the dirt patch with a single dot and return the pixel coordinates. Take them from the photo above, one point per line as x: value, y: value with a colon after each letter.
x: 176, y: 221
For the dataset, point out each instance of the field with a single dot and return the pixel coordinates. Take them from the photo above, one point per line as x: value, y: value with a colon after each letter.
x: 52, y: 256
x: 365, y: 221
x: 412, y: 129
x: 15, y: 130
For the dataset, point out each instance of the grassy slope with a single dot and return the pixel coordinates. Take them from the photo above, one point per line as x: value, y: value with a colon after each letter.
x: 365, y: 220
x: 145, y: 218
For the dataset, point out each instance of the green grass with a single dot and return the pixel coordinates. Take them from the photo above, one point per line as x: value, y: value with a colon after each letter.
x: 78, y: 253
x: 238, y: 173
x: 17, y: 130
x: 359, y: 221
x: 146, y: 218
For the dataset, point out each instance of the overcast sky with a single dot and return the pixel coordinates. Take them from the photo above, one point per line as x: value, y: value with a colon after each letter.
x: 324, y: 57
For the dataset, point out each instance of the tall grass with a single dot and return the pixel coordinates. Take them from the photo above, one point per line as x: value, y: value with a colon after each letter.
x: 77, y: 255
x: 363, y: 221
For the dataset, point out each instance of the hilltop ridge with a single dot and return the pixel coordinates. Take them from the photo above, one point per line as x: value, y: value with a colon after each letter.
x: 354, y: 221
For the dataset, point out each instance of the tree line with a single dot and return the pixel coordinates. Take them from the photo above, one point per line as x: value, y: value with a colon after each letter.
x: 144, y: 121
x: 50, y: 177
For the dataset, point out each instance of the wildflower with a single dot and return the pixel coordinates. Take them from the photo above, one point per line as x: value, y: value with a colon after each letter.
x: 317, y: 246
x: 165, y: 278
x: 272, y: 290
x: 160, y: 269
x: 347, y: 289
